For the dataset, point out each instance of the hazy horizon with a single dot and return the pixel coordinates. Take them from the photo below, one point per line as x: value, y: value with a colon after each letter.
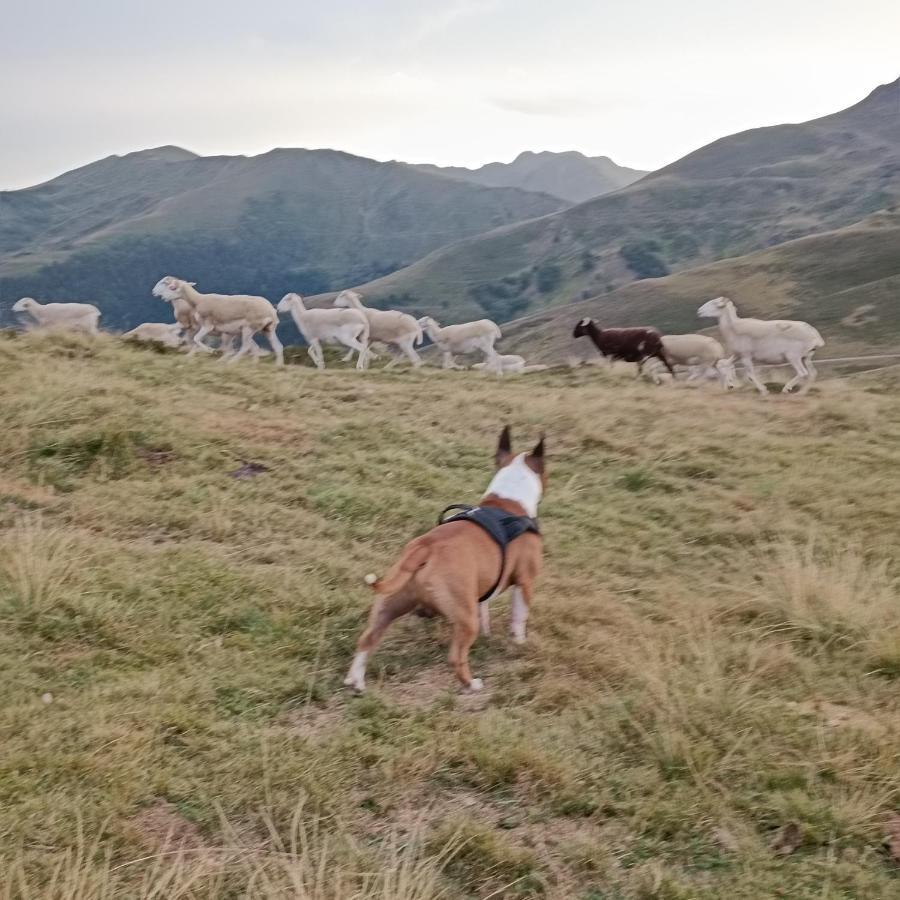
x: 465, y: 82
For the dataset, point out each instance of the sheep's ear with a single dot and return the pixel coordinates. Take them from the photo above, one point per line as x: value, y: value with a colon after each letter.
x: 535, y: 459
x: 504, y: 448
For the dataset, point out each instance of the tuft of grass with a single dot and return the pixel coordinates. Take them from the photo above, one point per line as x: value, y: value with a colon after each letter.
x: 311, y: 858
x: 38, y: 563
x: 826, y: 597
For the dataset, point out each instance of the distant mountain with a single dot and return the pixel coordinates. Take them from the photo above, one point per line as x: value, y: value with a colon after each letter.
x: 742, y: 193
x: 571, y: 176
x: 306, y: 220
x: 846, y: 281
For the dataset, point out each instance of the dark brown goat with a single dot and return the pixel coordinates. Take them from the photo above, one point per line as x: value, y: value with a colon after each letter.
x: 635, y: 345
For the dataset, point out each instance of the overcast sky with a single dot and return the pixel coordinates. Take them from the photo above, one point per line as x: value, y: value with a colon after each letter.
x: 455, y: 82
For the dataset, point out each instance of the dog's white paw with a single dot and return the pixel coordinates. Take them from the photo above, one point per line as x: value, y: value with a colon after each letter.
x: 476, y: 684
x: 358, y: 685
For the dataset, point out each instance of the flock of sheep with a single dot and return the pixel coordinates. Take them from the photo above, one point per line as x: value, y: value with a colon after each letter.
x: 240, y: 317
x: 236, y: 319
x: 772, y: 342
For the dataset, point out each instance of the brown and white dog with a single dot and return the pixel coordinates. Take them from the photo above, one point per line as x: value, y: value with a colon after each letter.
x: 449, y: 568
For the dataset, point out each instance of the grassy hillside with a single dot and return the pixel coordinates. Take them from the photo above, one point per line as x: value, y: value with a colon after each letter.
x: 286, y: 220
x: 742, y: 193
x: 846, y: 282
x: 706, y: 707
x: 571, y: 176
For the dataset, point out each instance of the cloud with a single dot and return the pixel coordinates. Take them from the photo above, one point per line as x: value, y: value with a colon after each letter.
x: 434, y: 23
x: 558, y: 105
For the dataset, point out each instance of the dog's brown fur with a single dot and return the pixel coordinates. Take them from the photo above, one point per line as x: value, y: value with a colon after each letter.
x: 447, y: 569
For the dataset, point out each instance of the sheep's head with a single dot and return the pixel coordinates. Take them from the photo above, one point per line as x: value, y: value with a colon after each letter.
x: 712, y: 309
x: 24, y: 304
x: 728, y: 372
x: 288, y: 302
x: 583, y: 328
x: 348, y: 299
x: 167, y: 288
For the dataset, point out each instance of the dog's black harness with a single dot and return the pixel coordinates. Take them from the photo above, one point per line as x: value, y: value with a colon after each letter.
x: 502, y: 526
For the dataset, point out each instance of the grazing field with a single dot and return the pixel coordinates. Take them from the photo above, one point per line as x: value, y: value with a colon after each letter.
x: 707, y: 705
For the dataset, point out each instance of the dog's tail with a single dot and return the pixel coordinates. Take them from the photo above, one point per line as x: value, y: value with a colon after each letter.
x: 411, y: 560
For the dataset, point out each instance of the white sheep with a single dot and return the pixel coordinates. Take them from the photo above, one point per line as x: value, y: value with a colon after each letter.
x: 467, y: 337
x: 330, y: 326
x: 509, y: 364
x: 228, y: 333
x: 703, y: 356
x: 391, y: 327
x: 776, y: 341
x: 168, y: 334
x: 70, y: 316
x: 225, y: 313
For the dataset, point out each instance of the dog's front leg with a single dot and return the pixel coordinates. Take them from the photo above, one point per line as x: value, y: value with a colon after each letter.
x: 521, y: 597
x: 356, y: 677
x: 484, y: 617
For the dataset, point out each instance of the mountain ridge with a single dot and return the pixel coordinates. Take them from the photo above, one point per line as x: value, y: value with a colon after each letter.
x: 570, y: 175
x: 741, y: 193
x: 284, y: 220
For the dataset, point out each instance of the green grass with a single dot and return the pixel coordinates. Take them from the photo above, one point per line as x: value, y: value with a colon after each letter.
x: 713, y: 655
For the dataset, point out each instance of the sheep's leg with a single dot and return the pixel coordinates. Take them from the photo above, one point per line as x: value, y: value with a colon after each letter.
x: 246, y: 340
x: 405, y: 347
x: 797, y: 364
x: 492, y: 361
x: 695, y: 372
x: 316, y: 354
x: 201, y: 333
x: 521, y: 602
x: 408, y: 347
x: 360, y: 348
x: 384, y: 611
x: 751, y: 374
x: 448, y: 360
x: 812, y: 373
x: 275, y: 344
x: 227, y: 346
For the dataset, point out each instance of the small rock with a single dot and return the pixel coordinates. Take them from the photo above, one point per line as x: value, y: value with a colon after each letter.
x: 47, y: 698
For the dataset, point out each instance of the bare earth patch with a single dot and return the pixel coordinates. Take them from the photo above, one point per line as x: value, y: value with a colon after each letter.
x: 161, y: 825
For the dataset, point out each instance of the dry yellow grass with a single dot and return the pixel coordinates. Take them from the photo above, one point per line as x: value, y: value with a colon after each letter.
x: 714, y: 650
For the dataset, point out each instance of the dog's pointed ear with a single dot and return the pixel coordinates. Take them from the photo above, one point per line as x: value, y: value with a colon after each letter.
x: 504, y: 448
x: 535, y: 459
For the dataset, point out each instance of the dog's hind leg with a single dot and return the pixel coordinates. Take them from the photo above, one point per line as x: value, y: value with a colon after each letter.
x: 384, y: 611
x: 465, y: 630
x: 521, y: 601
x: 484, y: 617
